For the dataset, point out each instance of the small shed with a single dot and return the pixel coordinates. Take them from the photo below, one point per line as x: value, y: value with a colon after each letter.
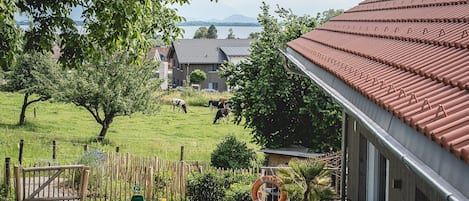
x: 282, y: 156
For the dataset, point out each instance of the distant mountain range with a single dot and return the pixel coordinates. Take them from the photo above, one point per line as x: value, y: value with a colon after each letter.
x: 233, y: 20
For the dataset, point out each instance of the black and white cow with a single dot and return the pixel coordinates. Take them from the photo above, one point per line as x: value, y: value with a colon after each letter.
x: 180, y: 104
x: 222, y: 113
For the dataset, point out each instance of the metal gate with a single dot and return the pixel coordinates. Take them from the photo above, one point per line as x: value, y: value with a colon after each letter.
x: 51, y: 183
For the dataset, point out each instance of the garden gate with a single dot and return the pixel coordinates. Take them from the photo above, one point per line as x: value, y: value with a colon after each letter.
x: 51, y: 183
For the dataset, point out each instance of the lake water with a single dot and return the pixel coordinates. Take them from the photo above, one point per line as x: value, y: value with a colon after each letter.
x: 222, y: 31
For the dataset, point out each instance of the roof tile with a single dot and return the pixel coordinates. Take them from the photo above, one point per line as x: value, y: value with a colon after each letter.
x: 411, y: 57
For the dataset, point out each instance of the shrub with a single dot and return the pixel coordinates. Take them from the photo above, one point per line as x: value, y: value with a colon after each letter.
x: 239, y: 192
x: 197, y: 76
x: 204, y: 187
x: 238, y: 186
x: 233, y: 154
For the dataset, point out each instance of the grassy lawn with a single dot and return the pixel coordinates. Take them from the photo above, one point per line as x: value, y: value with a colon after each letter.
x: 161, y: 134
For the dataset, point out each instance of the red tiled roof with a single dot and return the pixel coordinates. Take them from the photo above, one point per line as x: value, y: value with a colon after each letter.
x: 411, y: 57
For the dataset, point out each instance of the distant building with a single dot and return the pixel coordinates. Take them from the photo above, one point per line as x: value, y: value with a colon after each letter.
x: 163, y: 71
x: 400, y: 70
x: 207, y: 55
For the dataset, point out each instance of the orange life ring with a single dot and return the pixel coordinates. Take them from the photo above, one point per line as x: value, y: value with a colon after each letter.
x: 274, y: 180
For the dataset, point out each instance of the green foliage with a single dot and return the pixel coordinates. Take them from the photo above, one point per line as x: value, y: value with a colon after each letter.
x: 231, y: 34
x: 201, y: 32
x: 238, y: 185
x: 239, y: 192
x: 254, y: 35
x: 306, y: 179
x: 327, y: 15
x: 282, y: 109
x: 206, y: 186
x: 232, y: 153
x: 110, y: 26
x: 10, y: 35
x: 197, y: 76
x: 212, y: 32
x: 162, y: 181
x: 111, y: 89
x: 35, y: 73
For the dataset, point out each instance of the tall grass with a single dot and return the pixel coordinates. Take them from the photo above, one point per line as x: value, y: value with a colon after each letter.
x: 162, y: 133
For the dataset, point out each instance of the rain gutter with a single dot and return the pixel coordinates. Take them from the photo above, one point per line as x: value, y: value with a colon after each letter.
x: 407, y: 158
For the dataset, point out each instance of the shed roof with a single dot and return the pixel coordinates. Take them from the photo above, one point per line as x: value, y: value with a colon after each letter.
x: 303, y: 153
x: 205, y: 51
x: 409, y: 57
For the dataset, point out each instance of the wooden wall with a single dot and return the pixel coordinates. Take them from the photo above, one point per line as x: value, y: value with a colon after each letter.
x: 358, y: 136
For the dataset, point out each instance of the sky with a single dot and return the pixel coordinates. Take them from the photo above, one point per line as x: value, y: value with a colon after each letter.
x: 207, y: 10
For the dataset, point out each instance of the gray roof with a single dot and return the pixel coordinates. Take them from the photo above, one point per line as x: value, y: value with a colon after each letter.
x: 236, y: 51
x: 291, y: 152
x: 205, y: 51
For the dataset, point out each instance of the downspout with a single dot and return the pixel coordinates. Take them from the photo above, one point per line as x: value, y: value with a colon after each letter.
x: 343, y: 158
x: 411, y: 161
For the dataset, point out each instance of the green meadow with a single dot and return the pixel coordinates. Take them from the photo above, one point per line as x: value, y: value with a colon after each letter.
x: 161, y: 134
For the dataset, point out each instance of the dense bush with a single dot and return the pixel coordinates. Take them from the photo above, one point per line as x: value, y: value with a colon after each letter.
x: 238, y: 186
x: 204, y: 187
x: 233, y: 154
x: 239, y: 192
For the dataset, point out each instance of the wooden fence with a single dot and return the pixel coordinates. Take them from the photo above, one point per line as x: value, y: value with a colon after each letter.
x: 116, y: 176
x: 119, y: 174
x: 51, y: 183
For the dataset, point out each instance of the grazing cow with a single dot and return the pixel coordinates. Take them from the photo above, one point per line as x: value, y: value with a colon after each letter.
x: 222, y: 113
x: 214, y: 103
x: 180, y: 104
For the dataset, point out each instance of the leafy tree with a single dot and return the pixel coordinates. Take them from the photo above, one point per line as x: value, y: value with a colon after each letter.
x: 308, y: 178
x: 253, y: 35
x: 115, y: 26
x: 197, y: 76
x: 112, y: 88
x: 327, y: 15
x: 10, y: 35
x: 282, y: 109
x: 230, y: 34
x: 201, y: 32
x: 231, y: 153
x: 34, y: 74
x: 212, y: 32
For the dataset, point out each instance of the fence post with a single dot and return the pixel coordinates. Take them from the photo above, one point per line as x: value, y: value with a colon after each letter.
x: 84, y: 183
x: 17, y: 183
x: 20, y: 157
x: 7, y: 176
x: 85, y: 148
x: 181, y: 158
x: 117, y: 150
x: 54, y: 149
x: 149, y: 187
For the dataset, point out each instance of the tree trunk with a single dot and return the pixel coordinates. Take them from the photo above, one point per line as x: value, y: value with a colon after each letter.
x: 105, y: 126
x: 306, y: 195
x: 103, y: 132
x: 23, y: 109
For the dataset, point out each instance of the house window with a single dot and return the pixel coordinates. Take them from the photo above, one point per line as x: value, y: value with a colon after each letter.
x: 377, y: 175
x: 213, y: 85
x: 213, y: 67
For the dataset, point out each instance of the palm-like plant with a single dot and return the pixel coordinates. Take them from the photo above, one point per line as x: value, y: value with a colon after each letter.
x: 307, y: 180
